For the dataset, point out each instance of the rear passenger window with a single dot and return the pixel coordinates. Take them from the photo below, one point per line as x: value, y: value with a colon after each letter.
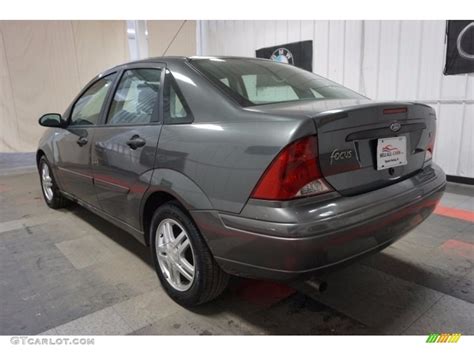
x: 136, y: 98
x: 225, y: 81
x: 176, y: 110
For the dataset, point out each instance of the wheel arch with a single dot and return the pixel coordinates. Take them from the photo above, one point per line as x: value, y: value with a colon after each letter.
x: 170, y: 185
x: 154, y: 201
x: 39, y: 154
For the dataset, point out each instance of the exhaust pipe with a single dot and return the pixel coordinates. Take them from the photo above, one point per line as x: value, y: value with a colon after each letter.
x: 311, y: 286
x: 317, y: 285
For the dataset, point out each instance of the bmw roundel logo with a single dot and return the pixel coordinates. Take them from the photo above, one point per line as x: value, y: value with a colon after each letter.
x: 461, y: 50
x: 282, y: 55
x: 395, y: 126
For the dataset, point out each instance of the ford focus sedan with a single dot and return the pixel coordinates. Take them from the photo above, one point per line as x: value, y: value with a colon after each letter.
x: 240, y: 166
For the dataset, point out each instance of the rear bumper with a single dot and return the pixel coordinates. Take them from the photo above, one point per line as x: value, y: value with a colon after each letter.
x: 275, y: 240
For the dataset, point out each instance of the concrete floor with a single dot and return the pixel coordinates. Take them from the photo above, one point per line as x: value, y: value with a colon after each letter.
x: 70, y: 272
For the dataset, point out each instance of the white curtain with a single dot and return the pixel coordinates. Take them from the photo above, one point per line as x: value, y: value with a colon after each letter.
x: 44, y: 64
x: 171, y: 38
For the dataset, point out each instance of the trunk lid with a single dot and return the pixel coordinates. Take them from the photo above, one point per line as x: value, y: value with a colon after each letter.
x: 349, y: 132
x: 349, y: 138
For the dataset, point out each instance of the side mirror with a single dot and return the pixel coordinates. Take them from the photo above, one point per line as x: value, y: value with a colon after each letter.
x: 52, y: 120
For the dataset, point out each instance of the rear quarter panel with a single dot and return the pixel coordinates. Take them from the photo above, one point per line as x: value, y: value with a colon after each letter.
x: 225, y: 159
x: 225, y: 151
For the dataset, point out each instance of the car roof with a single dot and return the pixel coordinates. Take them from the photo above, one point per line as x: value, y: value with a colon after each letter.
x: 179, y: 59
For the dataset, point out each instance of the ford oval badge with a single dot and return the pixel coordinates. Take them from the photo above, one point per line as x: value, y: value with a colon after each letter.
x: 395, y: 126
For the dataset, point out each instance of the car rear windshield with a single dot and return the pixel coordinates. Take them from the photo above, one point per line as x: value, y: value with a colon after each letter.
x: 257, y: 82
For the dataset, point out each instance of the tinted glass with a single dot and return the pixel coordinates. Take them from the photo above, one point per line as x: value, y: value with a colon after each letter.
x: 87, y: 109
x: 256, y: 82
x: 136, y: 98
x: 176, y: 109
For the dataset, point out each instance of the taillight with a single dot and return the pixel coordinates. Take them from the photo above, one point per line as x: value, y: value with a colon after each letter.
x: 293, y: 173
x: 430, y: 147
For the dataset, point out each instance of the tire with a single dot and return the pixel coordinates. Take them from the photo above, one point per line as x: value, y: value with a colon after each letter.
x: 51, y: 194
x: 208, y: 279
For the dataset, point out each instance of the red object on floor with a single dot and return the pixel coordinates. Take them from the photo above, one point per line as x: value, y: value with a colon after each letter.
x: 454, y: 213
x: 263, y: 293
x: 463, y: 249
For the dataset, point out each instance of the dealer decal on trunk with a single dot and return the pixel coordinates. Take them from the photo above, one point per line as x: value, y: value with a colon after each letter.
x: 391, y: 152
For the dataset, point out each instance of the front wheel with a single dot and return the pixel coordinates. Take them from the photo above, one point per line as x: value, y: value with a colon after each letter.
x: 52, y: 195
x: 184, y: 264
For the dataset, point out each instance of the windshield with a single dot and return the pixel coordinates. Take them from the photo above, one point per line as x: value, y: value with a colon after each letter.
x: 257, y: 82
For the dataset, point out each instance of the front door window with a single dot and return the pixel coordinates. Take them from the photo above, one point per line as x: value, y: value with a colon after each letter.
x: 87, y: 109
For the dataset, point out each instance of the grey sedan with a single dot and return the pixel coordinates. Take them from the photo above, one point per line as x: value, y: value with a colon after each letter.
x: 240, y: 166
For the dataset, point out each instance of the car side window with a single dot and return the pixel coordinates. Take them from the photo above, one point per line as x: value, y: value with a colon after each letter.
x: 136, y: 98
x: 176, y: 109
x: 86, y: 110
x: 225, y: 81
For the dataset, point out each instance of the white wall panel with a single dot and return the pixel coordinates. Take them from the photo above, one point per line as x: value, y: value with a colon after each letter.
x: 321, y: 48
x: 466, y: 166
x: 239, y: 42
x: 371, y: 59
x: 452, y: 88
x: 229, y: 47
x: 470, y: 87
x: 384, y: 60
x: 451, y: 130
x: 208, y: 33
x: 307, y: 30
x: 281, y: 33
x: 294, y: 31
x: 336, y: 51
x: 387, y: 73
x: 270, y: 31
x: 432, y: 50
x: 353, y: 54
x: 258, y: 37
x: 409, y: 60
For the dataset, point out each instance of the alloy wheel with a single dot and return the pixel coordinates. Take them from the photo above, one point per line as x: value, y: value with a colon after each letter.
x: 175, y: 254
x: 47, y: 182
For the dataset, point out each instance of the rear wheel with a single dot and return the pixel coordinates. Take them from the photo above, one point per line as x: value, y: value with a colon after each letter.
x: 183, y: 262
x: 52, y: 195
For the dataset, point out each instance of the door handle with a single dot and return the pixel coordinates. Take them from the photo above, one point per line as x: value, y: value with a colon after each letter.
x: 82, y: 141
x: 136, y: 142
